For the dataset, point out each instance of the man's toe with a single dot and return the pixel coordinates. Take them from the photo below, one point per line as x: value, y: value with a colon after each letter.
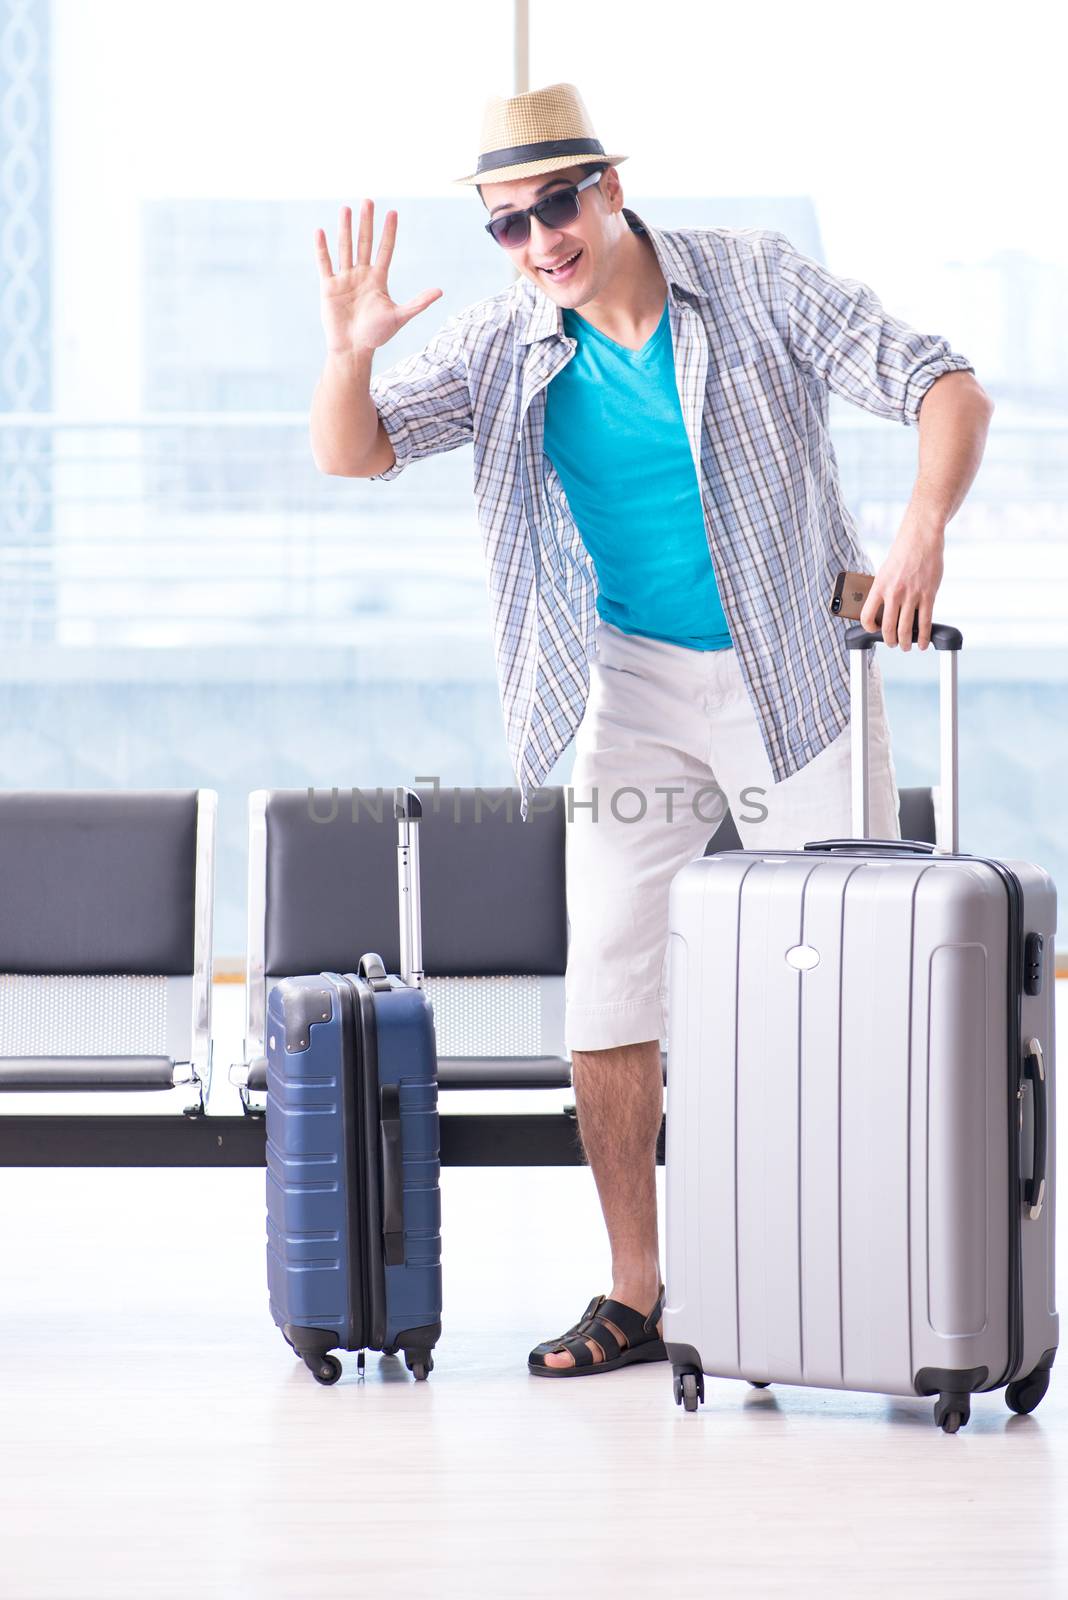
x: 564, y: 1358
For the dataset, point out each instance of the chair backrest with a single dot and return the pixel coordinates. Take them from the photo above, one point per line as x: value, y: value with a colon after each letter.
x: 917, y: 814
x: 323, y: 891
x: 106, y: 924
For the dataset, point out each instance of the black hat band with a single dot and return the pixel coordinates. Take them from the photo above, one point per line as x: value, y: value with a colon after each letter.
x: 539, y: 152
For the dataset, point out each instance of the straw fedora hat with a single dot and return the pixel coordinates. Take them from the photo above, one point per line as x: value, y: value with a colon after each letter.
x: 537, y: 132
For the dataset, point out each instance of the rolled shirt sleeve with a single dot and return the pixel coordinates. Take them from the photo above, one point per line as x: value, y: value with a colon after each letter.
x: 837, y: 330
x: 424, y: 401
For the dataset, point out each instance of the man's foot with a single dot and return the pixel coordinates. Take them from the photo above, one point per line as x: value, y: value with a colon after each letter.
x: 609, y: 1334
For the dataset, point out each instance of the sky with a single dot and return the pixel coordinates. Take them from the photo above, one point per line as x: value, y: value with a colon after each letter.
x: 925, y: 134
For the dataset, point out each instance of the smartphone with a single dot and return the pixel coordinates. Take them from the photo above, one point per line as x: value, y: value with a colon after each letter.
x: 850, y: 593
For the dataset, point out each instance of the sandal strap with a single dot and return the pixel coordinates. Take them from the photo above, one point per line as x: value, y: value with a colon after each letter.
x: 555, y: 1346
x: 587, y: 1319
x: 580, y: 1351
x: 607, y: 1340
x: 637, y: 1328
x: 590, y: 1312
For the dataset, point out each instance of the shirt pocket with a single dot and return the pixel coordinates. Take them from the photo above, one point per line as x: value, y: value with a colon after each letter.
x: 756, y: 405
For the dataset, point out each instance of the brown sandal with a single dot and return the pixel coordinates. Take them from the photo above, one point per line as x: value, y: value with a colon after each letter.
x: 641, y: 1340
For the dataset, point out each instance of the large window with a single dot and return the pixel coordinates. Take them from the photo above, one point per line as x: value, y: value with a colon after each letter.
x: 918, y: 148
x: 185, y: 599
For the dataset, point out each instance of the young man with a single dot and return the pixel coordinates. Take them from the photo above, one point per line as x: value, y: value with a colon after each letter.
x: 663, y: 525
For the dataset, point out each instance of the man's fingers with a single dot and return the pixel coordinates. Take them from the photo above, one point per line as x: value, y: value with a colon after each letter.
x: 925, y: 614
x: 420, y: 303
x: 344, y: 240
x: 904, y: 625
x: 389, y: 238
x: 322, y: 255
x: 909, y: 612
x: 367, y: 228
x: 869, y: 611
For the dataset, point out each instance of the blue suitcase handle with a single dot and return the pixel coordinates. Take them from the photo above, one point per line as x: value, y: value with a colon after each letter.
x: 373, y: 968
x: 392, y: 1176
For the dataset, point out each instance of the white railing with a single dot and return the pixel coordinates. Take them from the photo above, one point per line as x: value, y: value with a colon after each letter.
x: 194, y: 529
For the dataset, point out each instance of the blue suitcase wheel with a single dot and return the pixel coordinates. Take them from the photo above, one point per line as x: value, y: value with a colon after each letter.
x: 324, y: 1369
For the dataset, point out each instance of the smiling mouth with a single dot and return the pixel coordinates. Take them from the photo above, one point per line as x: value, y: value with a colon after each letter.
x: 551, y: 271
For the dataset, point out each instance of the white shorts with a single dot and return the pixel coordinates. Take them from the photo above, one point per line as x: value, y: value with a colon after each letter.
x: 663, y: 717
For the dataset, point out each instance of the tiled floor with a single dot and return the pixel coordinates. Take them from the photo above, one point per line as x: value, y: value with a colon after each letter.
x: 160, y: 1440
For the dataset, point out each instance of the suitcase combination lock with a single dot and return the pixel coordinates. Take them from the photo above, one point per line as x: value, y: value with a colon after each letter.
x: 1033, y: 964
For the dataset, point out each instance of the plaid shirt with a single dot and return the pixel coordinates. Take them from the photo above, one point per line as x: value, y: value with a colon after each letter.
x: 760, y: 334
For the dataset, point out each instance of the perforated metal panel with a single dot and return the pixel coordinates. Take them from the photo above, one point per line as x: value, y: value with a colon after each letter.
x: 491, y: 1016
x: 50, y: 1015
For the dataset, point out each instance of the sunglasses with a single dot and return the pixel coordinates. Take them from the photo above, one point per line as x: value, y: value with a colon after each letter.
x: 556, y: 210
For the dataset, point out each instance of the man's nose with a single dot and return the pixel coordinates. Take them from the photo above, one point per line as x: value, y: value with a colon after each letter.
x: 536, y: 222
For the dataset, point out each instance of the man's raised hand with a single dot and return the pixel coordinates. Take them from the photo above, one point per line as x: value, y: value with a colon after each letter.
x: 357, y: 311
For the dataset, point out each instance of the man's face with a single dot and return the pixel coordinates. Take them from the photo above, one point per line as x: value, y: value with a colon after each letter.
x: 549, y: 247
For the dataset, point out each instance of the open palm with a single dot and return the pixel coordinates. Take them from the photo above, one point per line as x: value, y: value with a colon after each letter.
x: 357, y: 310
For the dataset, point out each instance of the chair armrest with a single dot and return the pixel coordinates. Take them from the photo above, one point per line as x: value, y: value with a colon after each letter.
x: 83, y: 1073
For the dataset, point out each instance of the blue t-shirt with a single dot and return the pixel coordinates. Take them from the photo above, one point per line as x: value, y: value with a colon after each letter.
x: 615, y: 433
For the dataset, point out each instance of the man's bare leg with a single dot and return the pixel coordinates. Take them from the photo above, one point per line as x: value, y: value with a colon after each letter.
x: 619, y: 1098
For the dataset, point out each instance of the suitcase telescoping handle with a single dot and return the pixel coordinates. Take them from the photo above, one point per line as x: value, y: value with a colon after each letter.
x: 408, y: 810
x: 947, y: 641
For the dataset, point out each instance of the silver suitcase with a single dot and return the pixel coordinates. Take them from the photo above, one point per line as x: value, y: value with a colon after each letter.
x: 860, y: 1109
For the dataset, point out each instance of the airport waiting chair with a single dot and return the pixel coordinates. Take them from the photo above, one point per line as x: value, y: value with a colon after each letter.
x: 106, y: 940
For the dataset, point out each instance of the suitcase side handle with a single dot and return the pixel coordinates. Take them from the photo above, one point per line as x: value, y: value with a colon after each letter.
x: 1035, y: 1186
x: 392, y: 1175
x: 948, y: 641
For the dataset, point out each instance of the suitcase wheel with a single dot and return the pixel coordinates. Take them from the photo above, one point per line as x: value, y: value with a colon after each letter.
x: 952, y: 1410
x: 689, y: 1387
x: 420, y: 1364
x: 755, y: 1383
x: 324, y: 1369
x: 1023, y: 1394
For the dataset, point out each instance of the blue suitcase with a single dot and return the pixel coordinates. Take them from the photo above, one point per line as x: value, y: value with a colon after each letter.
x: 353, y: 1171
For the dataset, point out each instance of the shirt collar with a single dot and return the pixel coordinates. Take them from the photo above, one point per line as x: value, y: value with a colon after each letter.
x: 544, y: 317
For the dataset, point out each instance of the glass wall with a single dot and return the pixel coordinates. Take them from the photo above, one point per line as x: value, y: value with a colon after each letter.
x: 186, y: 600
x: 919, y: 149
